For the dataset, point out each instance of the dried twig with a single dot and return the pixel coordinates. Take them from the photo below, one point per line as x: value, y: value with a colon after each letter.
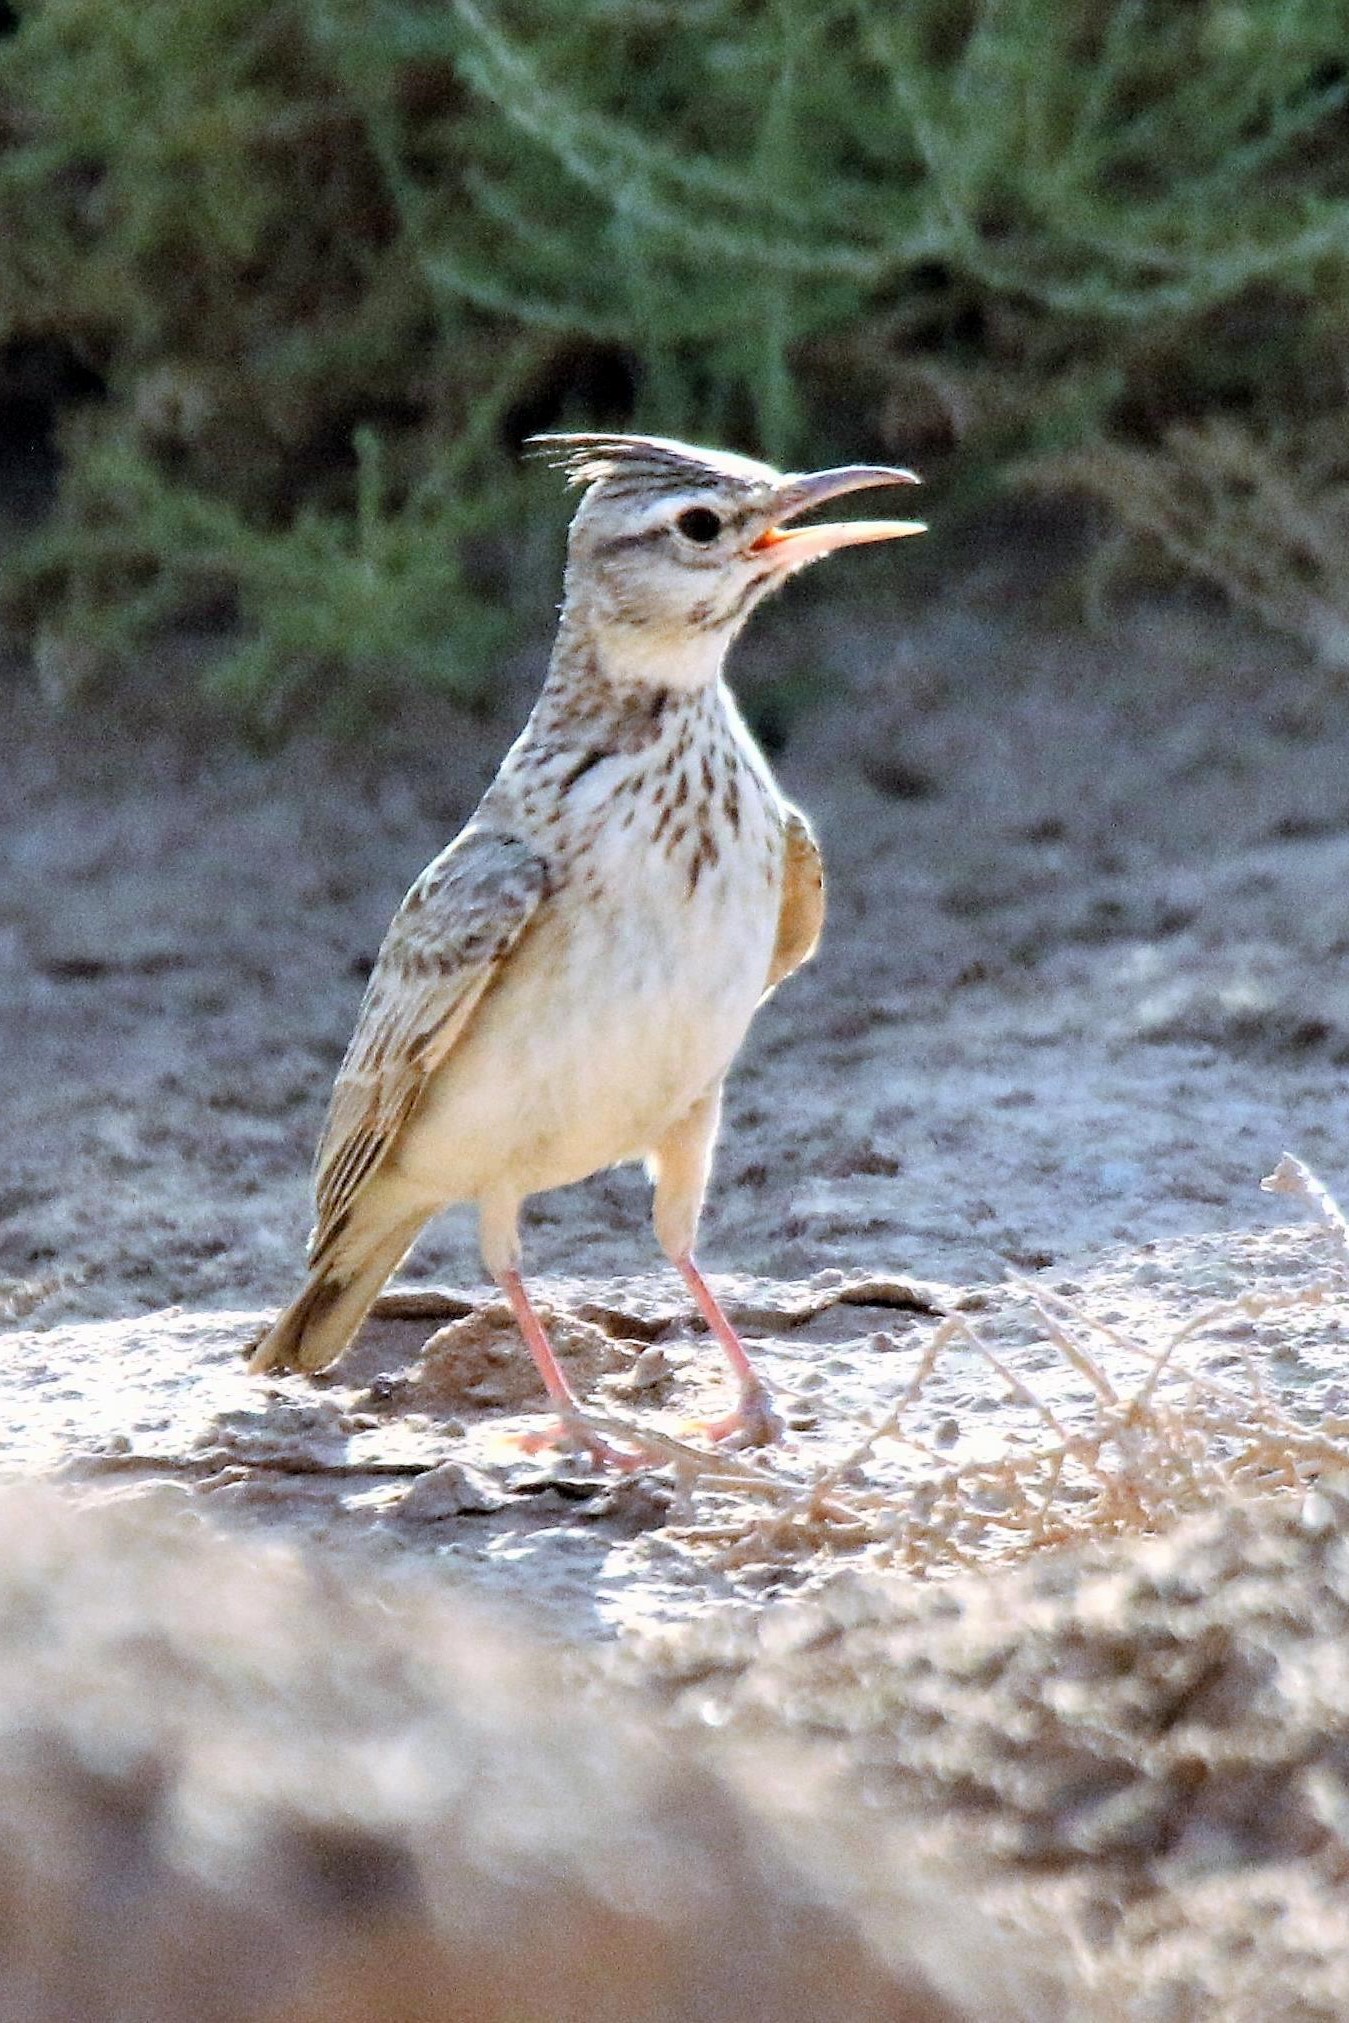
x: 1291, y: 1176
x: 1140, y: 1458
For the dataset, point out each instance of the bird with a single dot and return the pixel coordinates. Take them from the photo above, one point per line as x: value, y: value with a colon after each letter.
x: 566, y: 985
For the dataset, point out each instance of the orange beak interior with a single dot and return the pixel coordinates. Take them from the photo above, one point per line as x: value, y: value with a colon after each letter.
x: 793, y: 546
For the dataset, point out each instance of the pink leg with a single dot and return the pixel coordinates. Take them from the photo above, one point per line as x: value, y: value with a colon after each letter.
x: 555, y: 1380
x: 754, y: 1416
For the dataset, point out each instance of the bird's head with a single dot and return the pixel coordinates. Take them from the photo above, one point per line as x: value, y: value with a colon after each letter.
x: 671, y: 548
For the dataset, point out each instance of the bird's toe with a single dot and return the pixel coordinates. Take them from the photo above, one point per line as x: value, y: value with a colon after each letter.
x: 581, y: 1438
x: 754, y: 1423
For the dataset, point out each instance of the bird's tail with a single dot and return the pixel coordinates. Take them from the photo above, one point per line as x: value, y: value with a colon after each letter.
x: 338, y: 1294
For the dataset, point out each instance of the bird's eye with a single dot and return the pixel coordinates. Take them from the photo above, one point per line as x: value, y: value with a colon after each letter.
x: 699, y: 523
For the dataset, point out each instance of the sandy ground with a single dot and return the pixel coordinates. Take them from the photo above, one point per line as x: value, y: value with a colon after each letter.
x: 1083, y: 981
x: 1083, y: 984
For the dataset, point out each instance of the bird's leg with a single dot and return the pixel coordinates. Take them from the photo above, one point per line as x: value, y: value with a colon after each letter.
x: 574, y: 1428
x: 499, y: 1236
x: 679, y: 1167
x: 754, y: 1417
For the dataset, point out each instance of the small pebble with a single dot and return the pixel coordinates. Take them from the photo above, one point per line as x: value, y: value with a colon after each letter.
x: 1214, y: 1280
x: 567, y: 1477
x: 449, y: 1491
x: 632, y: 1506
x: 650, y: 1368
x: 384, y: 1390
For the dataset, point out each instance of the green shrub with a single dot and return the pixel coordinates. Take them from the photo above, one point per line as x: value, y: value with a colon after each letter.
x: 331, y: 259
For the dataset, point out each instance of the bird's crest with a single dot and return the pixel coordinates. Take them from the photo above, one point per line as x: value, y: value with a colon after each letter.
x: 641, y: 461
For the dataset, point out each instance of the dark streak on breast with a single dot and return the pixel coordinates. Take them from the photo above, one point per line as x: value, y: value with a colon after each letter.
x: 705, y: 857
x: 584, y: 765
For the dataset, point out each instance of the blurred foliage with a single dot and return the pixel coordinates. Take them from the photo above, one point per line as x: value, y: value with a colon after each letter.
x: 322, y: 264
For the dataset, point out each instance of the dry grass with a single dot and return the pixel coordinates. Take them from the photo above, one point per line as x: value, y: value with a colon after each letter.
x: 1259, y: 513
x: 1124, y: 1458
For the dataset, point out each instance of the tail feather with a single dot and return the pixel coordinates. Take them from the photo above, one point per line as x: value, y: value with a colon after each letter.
x: 324, y: 1315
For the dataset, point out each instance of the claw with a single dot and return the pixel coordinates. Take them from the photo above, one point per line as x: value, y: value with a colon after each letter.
x: 581, y: 1438
x: 753, y: 1423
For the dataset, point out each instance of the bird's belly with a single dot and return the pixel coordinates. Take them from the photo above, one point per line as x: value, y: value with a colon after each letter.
x: 615, y: 1014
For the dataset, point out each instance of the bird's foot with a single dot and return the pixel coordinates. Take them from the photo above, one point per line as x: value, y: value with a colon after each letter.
x: 573, y: 1431
x: 754, y: 1423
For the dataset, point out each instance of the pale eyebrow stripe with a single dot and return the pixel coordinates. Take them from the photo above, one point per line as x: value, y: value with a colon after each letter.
x: 732, y: 520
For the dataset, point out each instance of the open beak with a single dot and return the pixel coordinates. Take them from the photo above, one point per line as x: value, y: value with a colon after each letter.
x: 793, y: 546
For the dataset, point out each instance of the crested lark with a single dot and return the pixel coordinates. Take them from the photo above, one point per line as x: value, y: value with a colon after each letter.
x: 565, y: 987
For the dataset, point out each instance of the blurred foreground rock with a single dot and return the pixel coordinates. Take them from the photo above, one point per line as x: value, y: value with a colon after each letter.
x: 1145, y: 1741
x: 236, y: 1783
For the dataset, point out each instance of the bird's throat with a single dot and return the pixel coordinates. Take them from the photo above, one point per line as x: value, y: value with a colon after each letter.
x: 629, y: 654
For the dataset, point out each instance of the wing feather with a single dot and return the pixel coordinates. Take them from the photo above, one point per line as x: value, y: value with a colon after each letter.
x: 445, y: 946
x: 801, y: 918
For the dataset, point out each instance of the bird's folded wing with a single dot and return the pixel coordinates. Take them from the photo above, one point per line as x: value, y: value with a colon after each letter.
x: 801, y: 920
x: 446, y: 944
